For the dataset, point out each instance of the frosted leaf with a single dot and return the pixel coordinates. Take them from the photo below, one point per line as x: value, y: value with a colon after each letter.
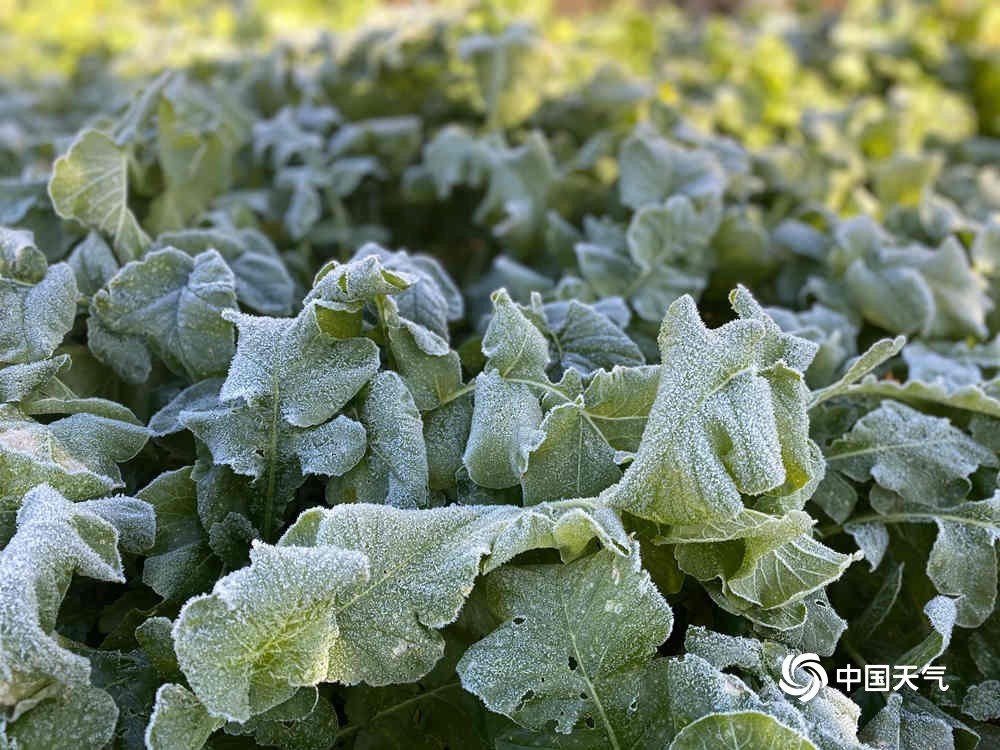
x: 941, y: 613
x: 77, y: 454
x: 266, y: 629
x: 910, y: 289
x: 341, y: 290
x: 180, y: 562
x: 741, y: 730
x: 262, y: 281
x: 876, y: 354
x: 446, y: 432
x: 306, y: 721
x: 18, y: 382
x: 573, y: 637
x: 396, y: 459
x: 36, y: 315
x: 517, y: 196
x: 835, y: 333
x: 81, y: 717
x: 585, y: 339
x: 676, y: 233
x: 963, y: 559
x: 169, y: 304
x: 19, y: 258
x: 618, y: 403
x: 55, y: 539
x: 423, y: 564
x: 514, y: 347
x: 910, y: 721
x: 923, y: 458
x: 256, y: 442
x: 653, y: 169
x: 573, y: 460
x: 725, y: 651
x: 394, y: 140
x: 777, y: 562
x: 982, y: 701
x: 454, y: 157
x: 505, y: 422
x: 89, y: 183
x: 307, y: 375
x: 729, y: 419
x: 179, y: 721
x: 93, y: 263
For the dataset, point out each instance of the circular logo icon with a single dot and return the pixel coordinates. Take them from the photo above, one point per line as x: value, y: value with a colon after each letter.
x: 792, y: 668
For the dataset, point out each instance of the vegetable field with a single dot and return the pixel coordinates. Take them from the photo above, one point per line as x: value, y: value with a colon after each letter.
x: 489, y: 378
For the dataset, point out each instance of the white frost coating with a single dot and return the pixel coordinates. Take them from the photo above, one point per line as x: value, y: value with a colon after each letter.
x: 266, y: 629
x: 573, y: 640
x: 168, y: 304
x: 505, y: 421
x: 729, y: 418
x: 292, y: 362
x: 55, y: 539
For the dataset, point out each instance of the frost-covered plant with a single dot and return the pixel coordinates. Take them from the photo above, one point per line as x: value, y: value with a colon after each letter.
x: 467, y: 390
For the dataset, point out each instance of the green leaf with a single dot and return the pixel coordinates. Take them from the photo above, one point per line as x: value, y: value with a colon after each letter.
x: 179, y: 721
x: 505, y: 422
x: 90, y: 183
x: 266, y: 629
x: 82, y: 717
x: 619, y: 402
x: 394, y: 470
x: 78, y: 455
x: 573, y: 460
x: 653, y: 169
x: 729, y: 418
x: 181, y: 562
x: 573, y: 639
x: 292, y: 364
x: 925, y: 459
x: 514, y: 347
x: 262, y: 281
x: 169, y: 304
x: 738, y: 730
x: 55, y: 539
x: 35, y: 315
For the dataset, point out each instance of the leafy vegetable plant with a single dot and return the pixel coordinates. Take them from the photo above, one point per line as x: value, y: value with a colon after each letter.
x: 474, y: 383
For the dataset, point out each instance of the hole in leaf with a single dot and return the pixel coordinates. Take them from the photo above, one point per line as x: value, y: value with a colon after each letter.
x: 572, y: 663
x: 589, y: 721
x: 584, y: 696
x: 518, y: 620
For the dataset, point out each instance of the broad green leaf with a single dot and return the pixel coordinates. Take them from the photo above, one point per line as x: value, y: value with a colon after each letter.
x: 572, y: 639
x: 676, y: 233
x: 266, y: 629
x: 168, y: 304
x: 505, y: 430
x: 93, y: 263
x: 876, y: 354
x: 653, y: 169
x: 306, y: 721
x: 586, y: 340
x: 35, y: 313
x: 729, y: 419
x: 618, y: 403
x: 764, y: 561
x: 54, y: 540
x: 291, y: 364
x: 262, y: 281
x: 423, y: 565
x: 982, y: 701
x: 574, y: 459
x: 925, y: 459
x: 181, y: 562
x: 82, y: 717
x: 430, y: 713
x: 179, y: 721
x: 741, y: 730
x: 90, y: 183
x: 254, y: 441
x: 78, y: 454
x: 394, y: 470
x: 514, y: 347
